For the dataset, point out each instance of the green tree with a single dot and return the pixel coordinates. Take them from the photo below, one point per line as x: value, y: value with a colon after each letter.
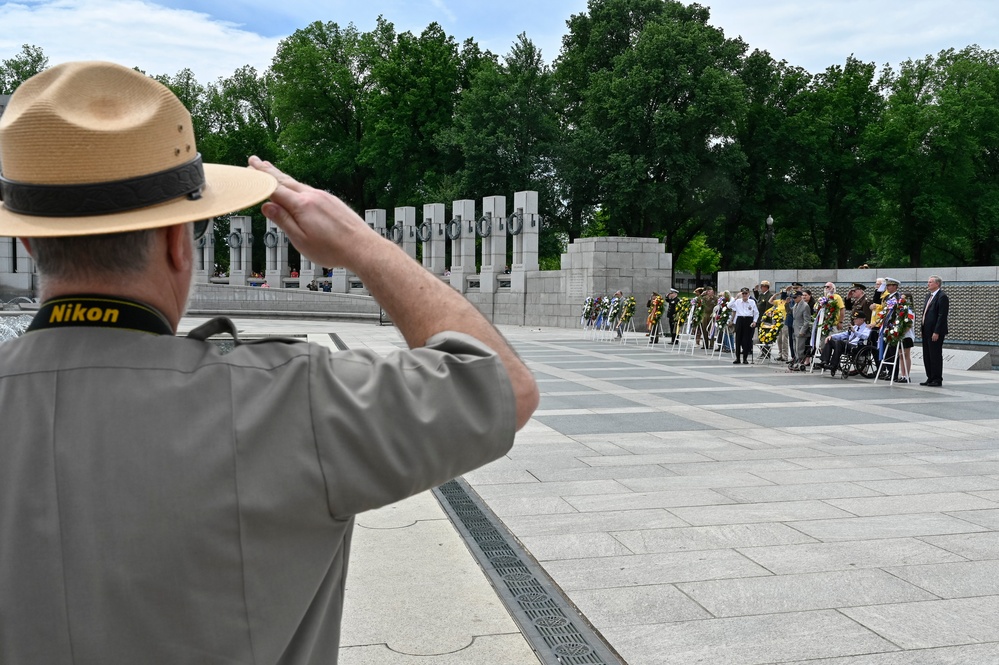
x: 321, y: 90
x: 658, y: 123
x: 838, y: 197
x: 698, y: 258
x: 765, y: 136
x: 410, y: 111
x: 18, y: 69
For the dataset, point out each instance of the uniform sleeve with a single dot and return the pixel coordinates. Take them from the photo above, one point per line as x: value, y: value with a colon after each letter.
x: 389, y: 427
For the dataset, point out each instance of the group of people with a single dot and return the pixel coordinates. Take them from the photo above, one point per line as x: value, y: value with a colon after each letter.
x: 801, y: 325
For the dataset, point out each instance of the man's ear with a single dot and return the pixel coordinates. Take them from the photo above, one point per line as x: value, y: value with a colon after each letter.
x: 179, y: 246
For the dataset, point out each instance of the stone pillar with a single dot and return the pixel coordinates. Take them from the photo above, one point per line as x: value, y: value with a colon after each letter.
x: 525, y: 243
x: 240, y: 243
x: 306, y: 273
x: 432, y: 236
x: 204, y: 257
x: 276, y: 244
x: 405, y: 222
x: 494, y: 244
x: 340, y: 280
x: 461, y: 235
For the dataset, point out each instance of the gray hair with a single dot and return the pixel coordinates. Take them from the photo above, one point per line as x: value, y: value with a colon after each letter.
x: 936, y: 278
x: 106, y: 255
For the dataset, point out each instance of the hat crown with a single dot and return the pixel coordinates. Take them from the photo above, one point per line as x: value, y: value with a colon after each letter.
x: 92, y: 122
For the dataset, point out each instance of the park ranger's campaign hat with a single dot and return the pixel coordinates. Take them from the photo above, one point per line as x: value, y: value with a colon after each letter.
x: 92, y: 147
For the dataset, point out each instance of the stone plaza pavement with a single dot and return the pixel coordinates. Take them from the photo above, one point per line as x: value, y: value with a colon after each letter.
x: 699, y: 512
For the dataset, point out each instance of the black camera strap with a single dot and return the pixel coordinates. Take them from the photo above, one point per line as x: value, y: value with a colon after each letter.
x: 100, y: 311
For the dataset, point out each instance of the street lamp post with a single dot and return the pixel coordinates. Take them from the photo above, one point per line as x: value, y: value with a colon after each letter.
x: 770, y: 242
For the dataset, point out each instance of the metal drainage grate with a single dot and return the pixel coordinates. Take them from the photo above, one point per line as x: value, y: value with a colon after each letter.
x: 556, y: 632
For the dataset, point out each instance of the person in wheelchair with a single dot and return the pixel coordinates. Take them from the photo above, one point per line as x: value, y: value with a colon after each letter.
x: 846, y: 341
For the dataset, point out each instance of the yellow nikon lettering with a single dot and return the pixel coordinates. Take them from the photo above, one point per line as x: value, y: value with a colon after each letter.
x: 94, y: 314
x: 79, y: 313
x: 58, y: 314
x: 110, y: 315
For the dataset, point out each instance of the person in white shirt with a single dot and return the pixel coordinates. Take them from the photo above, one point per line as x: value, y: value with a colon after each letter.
x: 747, y: 314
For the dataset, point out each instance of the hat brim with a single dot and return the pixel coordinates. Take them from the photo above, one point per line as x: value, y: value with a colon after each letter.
x: 227, y: 189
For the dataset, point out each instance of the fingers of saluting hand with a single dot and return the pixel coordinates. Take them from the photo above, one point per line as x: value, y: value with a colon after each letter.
x: 284, y: 180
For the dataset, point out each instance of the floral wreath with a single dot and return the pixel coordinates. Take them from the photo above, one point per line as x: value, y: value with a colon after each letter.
x: 682, y: 309
x: 769, y: 335
x: 598, y: 309
x: 899, y: 320
x: 698, y: 311
x: 587, y: 311
x: 614, y: 311
x: 724, y: 313
x: 628, y: 309
x: 831, y: 308
x: 655, y: 311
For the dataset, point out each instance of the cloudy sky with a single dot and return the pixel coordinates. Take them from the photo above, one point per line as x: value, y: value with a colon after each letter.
x: 215, y: 38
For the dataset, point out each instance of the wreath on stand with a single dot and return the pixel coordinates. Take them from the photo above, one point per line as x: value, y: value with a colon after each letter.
x: 768, y: 334
x: 724, y: 313
x: 587, y: 311
x: 604, y: 311
x: 615, y: 309
x: 682, y: 309
x: 628, y: 309
x: 655, y: 312
x: 698, y: 311
x: 900, y: 319
x: 831, y: 308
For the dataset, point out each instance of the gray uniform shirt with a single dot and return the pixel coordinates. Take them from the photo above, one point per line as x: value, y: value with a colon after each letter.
x: 163, y: 503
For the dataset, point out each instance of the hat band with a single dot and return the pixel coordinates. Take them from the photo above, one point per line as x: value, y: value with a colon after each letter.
x: 104, y: 198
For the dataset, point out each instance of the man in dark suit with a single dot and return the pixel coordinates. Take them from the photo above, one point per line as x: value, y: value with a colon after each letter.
x: 933, y: 330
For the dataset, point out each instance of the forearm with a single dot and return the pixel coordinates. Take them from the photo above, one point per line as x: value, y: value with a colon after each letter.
x: 421, y: 305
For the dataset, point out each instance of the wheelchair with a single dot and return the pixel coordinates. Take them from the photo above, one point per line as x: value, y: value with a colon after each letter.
x: 860, y: 359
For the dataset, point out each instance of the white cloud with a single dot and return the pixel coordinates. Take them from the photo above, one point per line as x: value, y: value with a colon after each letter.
x: 135, y: 34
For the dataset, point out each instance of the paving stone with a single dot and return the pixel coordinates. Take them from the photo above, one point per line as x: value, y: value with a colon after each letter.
x: 574, y: 522
x: 655, y: 458
x: 802, y: 476
x: 623, y: 474
x: 573, y: 546
x: 954, y: 580
x: 646, y: 541
x: 986, y: 518
x: 573, y: 488
x: 839, y: 416
x: 545, y: 505
x: 784, y: 511
x: 956, y: 410
x: 816, y: 557
x: 794, y: 593
x: 931, y: 485
x: 963, y: 655
x: 854, y: 461
x: 636, y: 500
x: 932, y: 623
x: 659, y: 603
x: 883, y: 526
x: 675, y: 482
x: 913, y: 503
x: 587, y: 401
x: 796, y: 492
x: 658, y: 568
x: 969, y: 545
x: 643, y: 422
x: 756, y: 640
x: 760, y: 467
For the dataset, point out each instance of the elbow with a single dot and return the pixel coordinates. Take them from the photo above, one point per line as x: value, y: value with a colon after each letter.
x: 527, y: 397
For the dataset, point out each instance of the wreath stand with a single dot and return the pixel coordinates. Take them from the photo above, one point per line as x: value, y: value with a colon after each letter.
x: 628, y: 327
x: 686, y: 336
x: 653, y: 333
x: 897, y: 360
x: 724, y: 340
x: 817, y: 340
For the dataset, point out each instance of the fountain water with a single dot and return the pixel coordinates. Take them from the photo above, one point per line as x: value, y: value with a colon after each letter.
x: 13, y: 326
